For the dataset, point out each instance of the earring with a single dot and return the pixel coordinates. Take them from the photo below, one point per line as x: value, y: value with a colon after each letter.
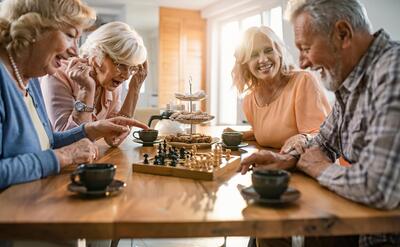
x: 33, y: 41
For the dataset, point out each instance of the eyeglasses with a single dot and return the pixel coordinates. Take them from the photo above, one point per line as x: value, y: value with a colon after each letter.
x: 124, y: 68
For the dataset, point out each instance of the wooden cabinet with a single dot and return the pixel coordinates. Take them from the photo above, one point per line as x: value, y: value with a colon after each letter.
x: 182, y: 52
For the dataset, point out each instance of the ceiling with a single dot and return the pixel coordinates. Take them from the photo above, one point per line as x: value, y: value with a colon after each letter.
x: 184, y: 4
x: 143, y: 14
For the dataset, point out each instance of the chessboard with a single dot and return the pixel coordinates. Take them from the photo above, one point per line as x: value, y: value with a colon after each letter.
x: 188, y: 163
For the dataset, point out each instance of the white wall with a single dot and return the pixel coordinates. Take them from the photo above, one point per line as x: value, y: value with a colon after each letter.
x: 382, y: 14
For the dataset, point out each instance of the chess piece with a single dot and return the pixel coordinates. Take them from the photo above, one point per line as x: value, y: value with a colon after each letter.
x: 227, y: 154
x: 194, y: 148
x: 174, y: 160
x: 162, y: 160
x: 146, y: 161
x: 182, y: 153
x: 165, y: 146
x: 156, y: 160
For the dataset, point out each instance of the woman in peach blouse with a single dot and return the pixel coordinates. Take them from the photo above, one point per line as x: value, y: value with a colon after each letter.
x: 284, y: 106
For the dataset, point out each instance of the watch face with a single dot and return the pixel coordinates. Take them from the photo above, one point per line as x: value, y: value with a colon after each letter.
x: 79, y: 106
x: 82, y: 107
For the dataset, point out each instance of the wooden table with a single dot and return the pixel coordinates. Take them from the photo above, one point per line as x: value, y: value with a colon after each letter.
x: 155, y: 206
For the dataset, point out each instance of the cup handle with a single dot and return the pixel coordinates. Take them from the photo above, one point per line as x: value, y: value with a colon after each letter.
x: 73, y: 177
x: 136, y: 132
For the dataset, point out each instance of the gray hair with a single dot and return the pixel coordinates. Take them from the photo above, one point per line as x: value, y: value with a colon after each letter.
x: 325, y: 13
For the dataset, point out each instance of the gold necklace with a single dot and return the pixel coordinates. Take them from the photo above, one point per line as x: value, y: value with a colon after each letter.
x: 17, y: 74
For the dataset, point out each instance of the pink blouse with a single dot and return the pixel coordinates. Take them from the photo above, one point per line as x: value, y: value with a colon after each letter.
x: 60, y: 93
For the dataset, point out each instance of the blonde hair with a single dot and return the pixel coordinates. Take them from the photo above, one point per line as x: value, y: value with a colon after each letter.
x: 117, y: 40
x: 23, y: 21
x: 241, y: 75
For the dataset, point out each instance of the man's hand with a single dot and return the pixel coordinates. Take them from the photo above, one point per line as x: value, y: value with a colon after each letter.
x: 112, y: 128
x: 269, y: 159
x: 313, y: 162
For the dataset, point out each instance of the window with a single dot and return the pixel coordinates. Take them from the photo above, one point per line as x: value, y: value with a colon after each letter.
x: 228, y: 103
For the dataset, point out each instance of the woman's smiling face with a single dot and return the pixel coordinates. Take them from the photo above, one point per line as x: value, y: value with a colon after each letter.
x: 265, y: 62
x: 50, y: 49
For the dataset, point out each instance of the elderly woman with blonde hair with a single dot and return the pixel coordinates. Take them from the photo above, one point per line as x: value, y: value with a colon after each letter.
x: 87, y: 88
x: 283, y: 105
x: 35, y: 36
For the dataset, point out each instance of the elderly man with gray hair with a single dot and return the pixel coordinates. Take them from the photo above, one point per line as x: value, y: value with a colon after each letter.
x: 363, y: 70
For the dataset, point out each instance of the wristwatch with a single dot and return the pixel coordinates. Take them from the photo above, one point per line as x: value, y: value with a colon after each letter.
x: 82, y: 107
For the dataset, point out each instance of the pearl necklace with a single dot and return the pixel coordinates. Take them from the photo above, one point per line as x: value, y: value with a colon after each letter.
x: 17, y: 74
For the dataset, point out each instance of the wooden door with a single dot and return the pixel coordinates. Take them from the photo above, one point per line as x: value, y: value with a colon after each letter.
x: 182, y: 52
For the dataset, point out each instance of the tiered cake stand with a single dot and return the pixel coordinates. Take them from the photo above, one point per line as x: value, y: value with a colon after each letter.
x: 191, y: 98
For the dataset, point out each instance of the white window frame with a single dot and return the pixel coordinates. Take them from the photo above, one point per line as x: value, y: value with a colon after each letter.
x: 215, y: 20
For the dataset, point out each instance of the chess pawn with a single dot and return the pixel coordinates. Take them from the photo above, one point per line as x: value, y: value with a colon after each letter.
x: 227, y: 154
x: 187, y: 163
x: 146, y: 161
x: 194, y: 148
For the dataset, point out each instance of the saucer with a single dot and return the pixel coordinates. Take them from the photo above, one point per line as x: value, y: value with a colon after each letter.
x: 114, y: 188
x: 147, y: 144
x: 234, y: 148
x: 290, y: 195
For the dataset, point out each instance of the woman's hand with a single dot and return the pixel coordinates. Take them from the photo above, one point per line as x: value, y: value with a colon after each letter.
x: 80, y: 71
x: 112, y: 128
x: 247, y: 135
x: 83, y: 151
x: 138, y: 78
x: 267, y: 159
x: 297, y: 142
x: 116, y: 141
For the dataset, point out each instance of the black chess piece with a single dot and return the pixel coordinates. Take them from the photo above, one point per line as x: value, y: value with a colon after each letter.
x: 165, y: 146
x: 156, y: 160
x: 162, y: 160
x: 160, y: 148
x: 146, y: 161
x: 173, y: 163
x: 182, y: 153
x: 174, y: 160
x: 170, y: 153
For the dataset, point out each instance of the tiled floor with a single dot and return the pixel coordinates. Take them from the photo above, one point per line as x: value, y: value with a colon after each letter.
x: 185, y: 242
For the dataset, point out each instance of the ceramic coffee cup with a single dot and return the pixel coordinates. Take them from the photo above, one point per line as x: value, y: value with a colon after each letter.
x: 149, y: 135
x: 233, y: 138
x: 270, y: 183
x: 94, y: 176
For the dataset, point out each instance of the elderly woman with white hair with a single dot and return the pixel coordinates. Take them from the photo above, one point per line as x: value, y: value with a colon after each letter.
x: 87, y: 88
x: 283, y: 105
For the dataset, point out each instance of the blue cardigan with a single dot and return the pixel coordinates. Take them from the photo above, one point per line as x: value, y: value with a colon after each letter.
x: 21, y: 157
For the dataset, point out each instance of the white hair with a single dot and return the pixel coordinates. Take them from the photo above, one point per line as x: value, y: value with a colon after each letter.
x: 117, y: 40
x: 325, y: 13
